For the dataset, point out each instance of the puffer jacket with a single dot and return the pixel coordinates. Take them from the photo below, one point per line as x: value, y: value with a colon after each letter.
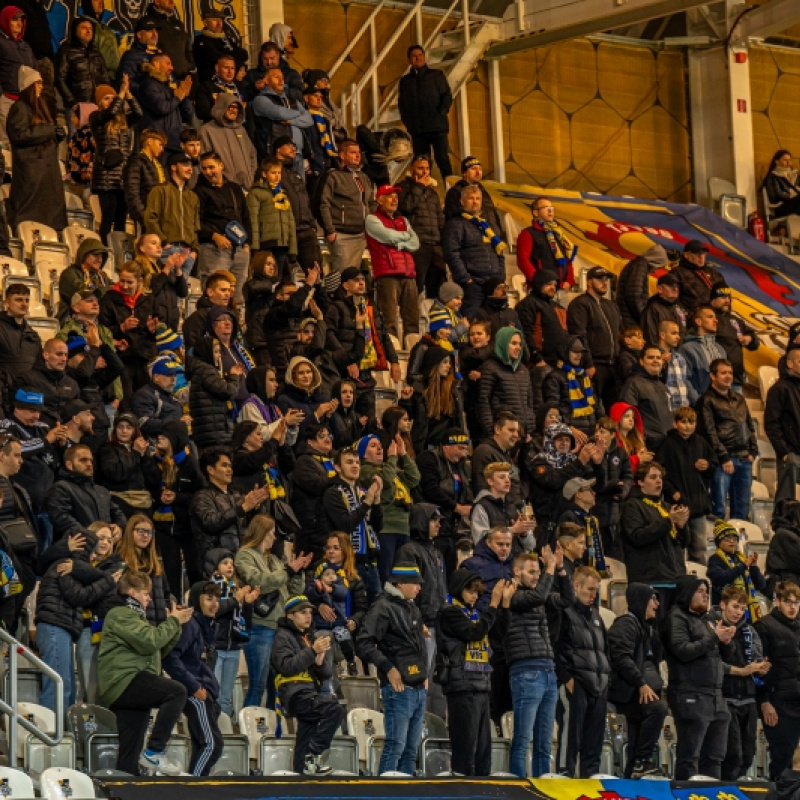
x: 79, y: 69
x: 14, y: 53
x: 61, y: 598
x: 219, y: 205
x: 421, y: 206
x: 597, y: 321
x: 422, y: 551
x: 544, y: 323
x: 210, y: 403
x: 695, y: 283
x: 140, y: 175
x: 154, y: 407
x: 391, y: 637
x: 271, y: 226
x: 293, y: 656
x: 455, y: 631
x: 780, y: 640
x: 652, y: 555
x: 391, y: 241
x: 467, y: 255
x: 582, y: 649
x: 75, y: 502
x: 56, y: 386
x: 424, y: 99
x: 217, y: 519
x: 105, y: 179
x: 690, y: 645
x: 312, y: 475
x: 343, y: 208
x: 161, y: 109
x: 505, y: 385
x: 105, y: 39
x: 452, y: 206
x: 725, y: 421
x: 20, y: 346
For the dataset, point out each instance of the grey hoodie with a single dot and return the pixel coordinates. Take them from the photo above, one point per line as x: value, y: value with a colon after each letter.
x: 231, y: 141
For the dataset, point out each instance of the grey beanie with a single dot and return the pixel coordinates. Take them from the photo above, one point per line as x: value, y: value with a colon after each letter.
x: 449, y: 290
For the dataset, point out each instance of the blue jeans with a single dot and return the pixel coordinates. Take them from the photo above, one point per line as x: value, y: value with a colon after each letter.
x: 403, y: 718
x: 256, y: 654
x: 56, y: 649
x: 226, y: 669
x: 86, y: 657
x: 211, y: 258
x: 534, y: 695
x: 372, y: 581
x: 738, y: 484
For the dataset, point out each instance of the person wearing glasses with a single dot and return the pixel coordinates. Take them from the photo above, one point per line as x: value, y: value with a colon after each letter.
x: 138, y: 552
x: 544, y: 245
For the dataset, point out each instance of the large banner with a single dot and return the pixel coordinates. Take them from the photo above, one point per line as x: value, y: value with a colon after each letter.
x: 612, y: 230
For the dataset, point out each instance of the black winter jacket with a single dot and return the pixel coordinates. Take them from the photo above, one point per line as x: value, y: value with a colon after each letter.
x: 437, y: 486
x: 487, y: 452
x: 467, y: 255
x: 582, y: 649
x: 783, y: 556
x: 452, y: 207
x: 782, y: 415
x: 210, y: 398
x: 282, y: 324
x: 657, y: 311
x: 56, y: 386
x: 695, y: 283
x: 543, y: 327
x: 172, y: 39
x: 690, y: 645
x: 729, y: 328
x: 597, y: 322
x: 75, y: 502
x: 154, y: 408
x: 295, y: 188
x: 186, y: 662
x: 292, y: 655
x: 139, y: 177
x: 310, y: 479
x: 652, y: 555
x: 62, y: 598
x: 119, y: 469
x: 424, y: 100
x: 107, y: 178
x: 20, y: 346
x: 217, y: 519
x: 391, y: 636
x: 619, y: 481
x: 678, y: 456
x: 219, y: 206
x: 79, y: 69
x: 780, y: 640
x: 632, y: 292
x: 421, y: 206
x: 725, y: 422
x: 503, y: 388
x: 649, y: 394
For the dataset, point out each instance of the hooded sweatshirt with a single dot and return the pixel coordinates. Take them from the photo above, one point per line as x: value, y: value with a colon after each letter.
x: 690, y: 644
x: 422, y: 552
x: 15, y: 52
x: 292, y: 396
x: 231, y: 141
x: 617, y: 412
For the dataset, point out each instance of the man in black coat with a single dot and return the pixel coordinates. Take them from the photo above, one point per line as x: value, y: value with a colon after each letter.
x: 80, y: 68
x: 424, y: 100
x: 645, y: 390
x: 20, y: 344
x: 173, y: 38
x: 691, y: 645
x: 48, y: 377
x: 76, y: 501
x: 217, y: 291
x: 695, y: 276
x: 782, y: 423
x: 664, y: 305
x: 732, y: 333
x: 633, y: 284
x: 308, y: 250
x: 635, y: 685
x: 472, y: 174
x: 211, y: 43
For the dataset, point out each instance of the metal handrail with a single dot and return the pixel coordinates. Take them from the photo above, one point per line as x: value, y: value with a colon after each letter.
x: 361, y: 31
x: 15, y: 650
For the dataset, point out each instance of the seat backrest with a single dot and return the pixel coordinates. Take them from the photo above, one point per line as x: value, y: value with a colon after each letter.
x: 733, y: 209
x: 60, y: 783
x: 225, y: 725
x: 85, y: 719
x: 363, y: 723
x: 374, y: 752
x: 719, y: 186
x: 15, y: 783
x: 507, y: 725
x: 434, y: 727
x: 608, y: 616
x: 13, y: 266
x: 693, y: 568
x: 46, y: 327
x: 256, y: 722
x: 748, y: 531
x: 31, y: 232
x: 361, y: 691
x: 276, y: 755
x: 343, y: 754
x: 74, y: 236
x: 42, y: 717
x: 72, y: 201
x: 235, y: 758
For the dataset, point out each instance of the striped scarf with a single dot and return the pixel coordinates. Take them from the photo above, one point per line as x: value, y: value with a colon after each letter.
x: 477, y: 654
x: 594, y: 543
x: 489, y: 236
x: 581, y: 393
x: 327, y: 463
x: 164, y: 512
x: 744, y: 582
x: 279, y: 197
x: 324, y: 135
x: 363, y: 537
x: 659, y: 506
x: 272, y: 478
x: 563, y: 250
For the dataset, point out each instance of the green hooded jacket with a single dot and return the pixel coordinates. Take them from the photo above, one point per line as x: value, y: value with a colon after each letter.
x: 502, y: 340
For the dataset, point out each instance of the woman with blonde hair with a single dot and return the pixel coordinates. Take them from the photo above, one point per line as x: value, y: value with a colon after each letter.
x: 257, y: 566
x: 163, y: 278
x: 137, y: 549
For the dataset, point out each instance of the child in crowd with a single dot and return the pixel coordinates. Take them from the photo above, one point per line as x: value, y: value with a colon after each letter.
x: 690, y: 463
x: 271, y: 217
x: 80, y: 161
x: 630, y: 351
x: 259, y: 294
x: 728, y: 566
x: 472, y: 357
x: 446, y: 307
x: 188, y: 663
x: 572, y: 538
x: 261, y: 408
x: 301, y: 667
x: 232, y: 623
x: 191, y: 145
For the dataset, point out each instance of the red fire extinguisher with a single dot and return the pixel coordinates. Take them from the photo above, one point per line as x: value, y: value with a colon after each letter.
x: 755, y: 226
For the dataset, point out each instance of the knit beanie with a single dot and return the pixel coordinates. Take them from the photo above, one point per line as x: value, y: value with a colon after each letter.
x: 27, y: 76
x: 439, y: 318
x: 101, y: 91
x: 723, y: 529
x: 363, y: 443
x: 167, y: 339
x: 450, y: 290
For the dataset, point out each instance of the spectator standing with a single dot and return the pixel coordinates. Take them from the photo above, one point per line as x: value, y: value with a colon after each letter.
x: 392, y: 639
x: 472, y: 174
x: 633, y: 285
x: 596, y: 319
x: 212, y: 43
x: 80, y: 68
x: 782, y: 423
x: 282, y: 36
x: 691, y: 645
x: 165, y: 108
x: 472, y: 248
x: 166, y: 282
x: 173, y: 39
x: 729, y: 567
x: 635, y: 685
x: 142, y: 172
x: 320, y: 139
x: 726, y: 424
x: 645, y: 391
x: 48, y: 377
x: 346, y: 197
x: 391, y: 241
x: 20, y: 344
x: 224, y: 221
x: 664, y: 305
x: 37, y: 191
x: 544, y: 245
x: 112, y: 130
x: 225, y: 134
x: 172, y: 211
x: 143, y: 47
x: 695, y: 275
x: 217, y: 291
x: 500, y: 446
x: 700, y: 348
x: 15, y: 52
x: 732, y: 333
x: 424, y: 100
x: 222, y: 81
x: 676, y: 370
x: 154, y: 404
x: 120, y: 461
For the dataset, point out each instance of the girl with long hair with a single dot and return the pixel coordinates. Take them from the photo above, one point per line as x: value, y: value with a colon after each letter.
x: 257, y: 566
x: 259, y: 294
x: 630, y: 433
x: 163, y: 278
x: 396, y: 422
x: 782, y: 183
x: 137, y: 549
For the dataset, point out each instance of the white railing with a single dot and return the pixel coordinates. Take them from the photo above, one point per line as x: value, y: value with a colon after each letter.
x: 15, y: 650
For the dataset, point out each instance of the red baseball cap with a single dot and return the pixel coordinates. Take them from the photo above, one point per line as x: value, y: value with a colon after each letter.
x: 388, y: 189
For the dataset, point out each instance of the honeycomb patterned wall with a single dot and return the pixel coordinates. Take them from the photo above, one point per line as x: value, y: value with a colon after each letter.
x: 590, y: 116
x: 775, y: 99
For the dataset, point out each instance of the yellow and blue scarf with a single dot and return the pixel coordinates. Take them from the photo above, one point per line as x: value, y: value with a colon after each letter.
x: 659, y: 506
x: 581, y: 393
x: 279, y: 197
x: 327, y: 463
x: 477, y: 654
x: 744, y: 582
x: 164, y: 512
x: 325, y: 140
x: 489, y: 236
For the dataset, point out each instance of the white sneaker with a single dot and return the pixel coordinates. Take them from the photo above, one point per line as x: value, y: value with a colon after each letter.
x: 316, y: 765
x: 158, y: 764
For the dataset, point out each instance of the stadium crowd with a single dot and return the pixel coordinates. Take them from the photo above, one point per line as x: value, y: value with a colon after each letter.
x: 176, y: 491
